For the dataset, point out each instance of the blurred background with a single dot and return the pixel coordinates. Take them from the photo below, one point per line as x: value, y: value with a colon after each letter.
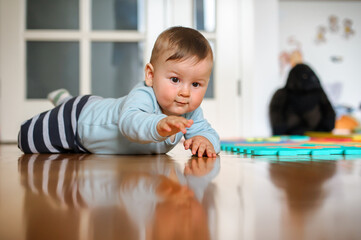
x: 101, y: 47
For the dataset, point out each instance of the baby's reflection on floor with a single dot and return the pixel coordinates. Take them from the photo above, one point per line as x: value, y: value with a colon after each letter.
x: 152, y: 199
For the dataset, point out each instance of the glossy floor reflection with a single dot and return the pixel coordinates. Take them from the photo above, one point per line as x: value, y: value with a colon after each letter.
x: 177, y: 196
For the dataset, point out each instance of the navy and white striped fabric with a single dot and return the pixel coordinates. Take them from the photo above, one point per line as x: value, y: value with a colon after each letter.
x: 56, y: 178
x: 54, y: 131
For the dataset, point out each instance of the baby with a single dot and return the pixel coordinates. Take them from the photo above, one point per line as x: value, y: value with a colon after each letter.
x: 151, y: 119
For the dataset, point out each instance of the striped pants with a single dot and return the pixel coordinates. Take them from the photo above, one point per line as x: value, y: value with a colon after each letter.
x: 54, y: 131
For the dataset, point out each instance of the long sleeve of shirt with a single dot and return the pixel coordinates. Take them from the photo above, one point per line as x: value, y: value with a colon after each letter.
x: 139, y: 117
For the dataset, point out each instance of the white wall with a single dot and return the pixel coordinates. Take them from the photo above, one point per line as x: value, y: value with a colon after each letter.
x: 301, y: 20
x: 259, y: 63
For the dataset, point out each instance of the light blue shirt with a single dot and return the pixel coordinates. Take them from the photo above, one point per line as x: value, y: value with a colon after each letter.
x: 128, y: 125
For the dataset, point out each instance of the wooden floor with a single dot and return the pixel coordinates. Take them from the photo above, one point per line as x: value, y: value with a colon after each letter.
x: 176, y: 196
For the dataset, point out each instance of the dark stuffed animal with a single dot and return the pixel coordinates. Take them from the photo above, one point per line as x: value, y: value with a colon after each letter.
x: 301, y: 105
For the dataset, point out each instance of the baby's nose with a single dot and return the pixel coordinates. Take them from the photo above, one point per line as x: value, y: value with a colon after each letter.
x: 184, y: 91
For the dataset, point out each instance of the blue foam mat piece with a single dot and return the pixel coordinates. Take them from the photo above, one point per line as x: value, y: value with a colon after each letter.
x: 285, y: 149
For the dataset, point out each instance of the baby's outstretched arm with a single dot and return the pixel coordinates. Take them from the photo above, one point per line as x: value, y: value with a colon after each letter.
x: 173, y: 124
x: 201, y: 146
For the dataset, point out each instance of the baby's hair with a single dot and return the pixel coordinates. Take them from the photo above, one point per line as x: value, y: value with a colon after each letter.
x: 183, y: 43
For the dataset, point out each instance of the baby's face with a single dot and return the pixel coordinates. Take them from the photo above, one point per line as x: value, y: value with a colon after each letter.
x: 180, y: 85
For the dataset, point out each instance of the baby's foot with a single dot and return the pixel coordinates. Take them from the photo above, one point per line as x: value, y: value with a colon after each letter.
x: 59, y: 96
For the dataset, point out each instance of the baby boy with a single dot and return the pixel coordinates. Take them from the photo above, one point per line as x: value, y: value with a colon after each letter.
x: 151, y: 119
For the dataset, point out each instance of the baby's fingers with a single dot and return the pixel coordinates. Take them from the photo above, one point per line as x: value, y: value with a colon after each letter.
x: 201, y: 150
x: 210, y: 152
x: 195, y: 146
x: 165, y: 127
x: 189, y: 123
x: 177, y: 126
x: 185, y: 123
x: 187, y: 143
x: 181, y: 127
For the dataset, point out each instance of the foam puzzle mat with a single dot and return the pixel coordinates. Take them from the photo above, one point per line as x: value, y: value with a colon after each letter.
x: 294, y: 146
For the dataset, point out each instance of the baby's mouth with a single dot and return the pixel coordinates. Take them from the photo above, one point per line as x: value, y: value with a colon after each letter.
x: 181, y: 103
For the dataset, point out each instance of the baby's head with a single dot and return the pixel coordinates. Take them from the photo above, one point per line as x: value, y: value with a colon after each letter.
x: 179, y: 43
x: 179, y: 70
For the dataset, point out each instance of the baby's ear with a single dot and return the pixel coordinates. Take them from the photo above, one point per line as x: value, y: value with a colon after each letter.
x: 149, y: 74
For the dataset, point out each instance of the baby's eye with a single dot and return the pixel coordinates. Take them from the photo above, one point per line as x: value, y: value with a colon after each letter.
x: 195, y: 84
x: 174, y: 79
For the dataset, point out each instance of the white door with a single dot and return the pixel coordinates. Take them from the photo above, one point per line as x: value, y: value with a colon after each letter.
x: 219, y: 21
x: 100, y: 47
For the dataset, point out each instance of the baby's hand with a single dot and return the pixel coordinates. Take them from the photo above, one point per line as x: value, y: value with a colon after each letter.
x: 199, y: 166
x: 173, y: 124
x: 200, y: 145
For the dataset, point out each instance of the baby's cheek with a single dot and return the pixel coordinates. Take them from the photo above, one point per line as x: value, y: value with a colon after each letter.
x: 197, y: 99
x: 164, y: 99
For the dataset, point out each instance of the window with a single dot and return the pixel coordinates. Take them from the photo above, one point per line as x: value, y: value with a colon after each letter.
x: 92, y: 46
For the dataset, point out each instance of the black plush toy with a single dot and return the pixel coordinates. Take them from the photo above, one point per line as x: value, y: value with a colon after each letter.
x: 301, y: 105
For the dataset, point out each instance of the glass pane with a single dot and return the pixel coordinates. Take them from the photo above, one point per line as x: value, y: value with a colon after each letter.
x: 55, y: 14
x: 50, y: 66
x: 210, y: 89
x: 205, y: 15
x: 117, y: 14
x: 116, y: 67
